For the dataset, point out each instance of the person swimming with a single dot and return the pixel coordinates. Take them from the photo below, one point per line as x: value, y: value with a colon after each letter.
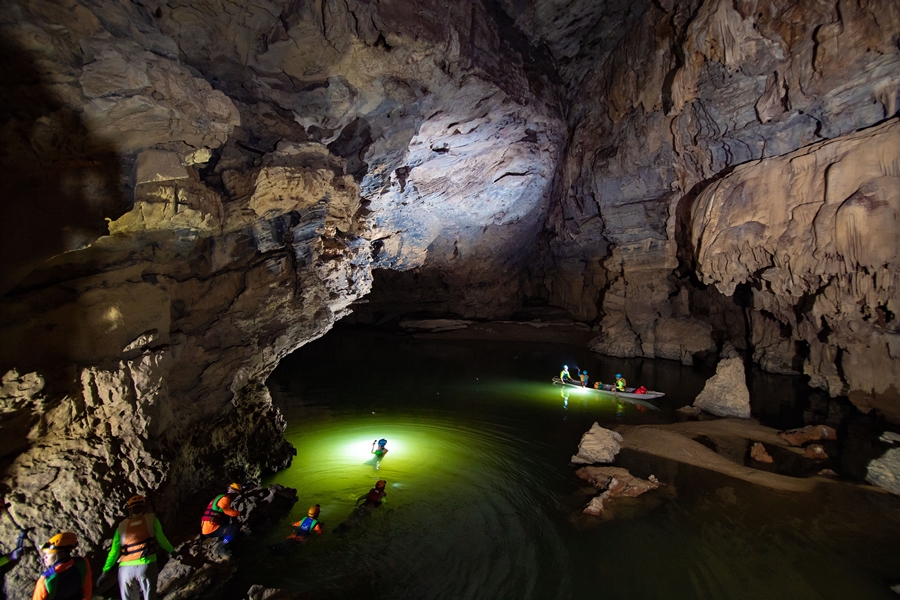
x: 375, y: 496
x: 308, y: 525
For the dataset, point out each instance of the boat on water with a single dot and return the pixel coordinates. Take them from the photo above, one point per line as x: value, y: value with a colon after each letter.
x: 612, y: 393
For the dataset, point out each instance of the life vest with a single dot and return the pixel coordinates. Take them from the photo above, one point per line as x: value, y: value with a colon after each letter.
x: 214, y: 513
x: 620, y: 384
x: 64, y: 581
x: 137, y: 537
x: 641, y: 390
x: 306, y: 526
x: 375, y: 496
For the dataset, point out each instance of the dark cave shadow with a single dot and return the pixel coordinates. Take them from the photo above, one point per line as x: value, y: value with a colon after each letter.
x: 60, y: 183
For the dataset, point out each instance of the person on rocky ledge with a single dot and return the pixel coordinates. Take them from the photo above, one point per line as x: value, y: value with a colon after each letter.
x: 134, y: 548
x: 307, y: 525
x: 216, y: 521
x: 67, y: 577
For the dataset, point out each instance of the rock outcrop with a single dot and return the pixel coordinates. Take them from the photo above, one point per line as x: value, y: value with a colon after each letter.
x: 885, y: 471
x: 598, y: 445
x: 613, y: 482
x: 725, y: 393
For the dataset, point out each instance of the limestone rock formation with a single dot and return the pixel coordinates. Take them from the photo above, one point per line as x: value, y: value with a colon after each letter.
x: 598, y: 445
x: 613, y: 482
x: 725, y: 393
x: 759, y: 454
x: 885, y: 471
x: 809, y: 433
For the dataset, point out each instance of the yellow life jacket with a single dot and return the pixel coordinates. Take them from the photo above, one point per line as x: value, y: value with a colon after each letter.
x: 137, y: 537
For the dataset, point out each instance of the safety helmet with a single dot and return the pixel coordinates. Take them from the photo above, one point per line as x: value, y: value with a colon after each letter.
x: 235, y: 488
x: 380, y: 484
x: 61, y: 541
x: 382, y: 442
x: 313, y: 511
x: 136, y: 501
x: 585, y: 372
x: 566, y: 367
x: 618, y: 375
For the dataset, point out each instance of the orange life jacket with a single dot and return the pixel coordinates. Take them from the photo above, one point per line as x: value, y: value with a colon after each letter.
x: 137, y: 537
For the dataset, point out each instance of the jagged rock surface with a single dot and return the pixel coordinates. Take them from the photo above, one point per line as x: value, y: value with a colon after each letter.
x: 885, y: 471
x: 598, y: 445
x: 725, y: 393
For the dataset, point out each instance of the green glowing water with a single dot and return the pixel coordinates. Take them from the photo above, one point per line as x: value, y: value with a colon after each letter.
x: 483, y: 504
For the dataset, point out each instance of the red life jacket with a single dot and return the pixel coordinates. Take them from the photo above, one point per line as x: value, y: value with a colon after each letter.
x: 641, y: 390
x: 214, y: 513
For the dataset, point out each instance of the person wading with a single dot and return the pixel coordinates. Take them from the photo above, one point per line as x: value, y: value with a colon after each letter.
x: 134, y: 548
x: 66, y: 577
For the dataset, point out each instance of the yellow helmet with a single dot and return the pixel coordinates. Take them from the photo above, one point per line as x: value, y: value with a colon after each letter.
x: 137, y: 500
x: 313, y: 511
x: 61, y: 541
x: 235, y: 487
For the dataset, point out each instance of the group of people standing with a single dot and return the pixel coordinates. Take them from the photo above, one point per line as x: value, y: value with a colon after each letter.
x: 566, y: 377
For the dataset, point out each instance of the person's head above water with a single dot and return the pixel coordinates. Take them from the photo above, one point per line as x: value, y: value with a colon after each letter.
x: 313, y: 511
x: 379, y: 485
x: 382, y: 443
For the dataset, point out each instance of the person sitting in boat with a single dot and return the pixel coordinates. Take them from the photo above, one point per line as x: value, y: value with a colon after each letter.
x: 620, y: 382
x: 583, y: 376
x: 380, y: 450
x: 308, y: 525
x: 564, y: 374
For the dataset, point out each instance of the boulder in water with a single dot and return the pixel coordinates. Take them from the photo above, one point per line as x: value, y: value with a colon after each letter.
x: 725, y: 393
x: 810, y: 433
x: 885, y: 471
x: 598, y: 445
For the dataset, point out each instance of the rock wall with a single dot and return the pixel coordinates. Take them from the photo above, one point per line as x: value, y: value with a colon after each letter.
x: 814, y: 235
x: 663, y: 111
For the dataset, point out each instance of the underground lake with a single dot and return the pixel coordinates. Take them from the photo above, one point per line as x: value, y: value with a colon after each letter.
x: 482, y: 501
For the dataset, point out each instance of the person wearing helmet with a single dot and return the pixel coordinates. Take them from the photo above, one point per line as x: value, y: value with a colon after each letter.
x: 134, y: 547
x: 308, y: 525
x: 216, y: 521
x: 380, y: 450
x: 583, y: 376
x: 66, y: 577
x: 620, y: 382
x: 564, y: 374
x: 375, y: 496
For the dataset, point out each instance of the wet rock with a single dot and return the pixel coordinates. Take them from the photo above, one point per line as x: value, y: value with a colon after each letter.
x: 434, y: 325
x: 815, y: 452
x: 809, y: 433
x: 689, y: 412
x: 885, y: 471
x: 258, y: 592
x: 890, y: 437
x: 613, y: 482
x: 758, y: 453
x: 725, y: 393
x: 598, y: 445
